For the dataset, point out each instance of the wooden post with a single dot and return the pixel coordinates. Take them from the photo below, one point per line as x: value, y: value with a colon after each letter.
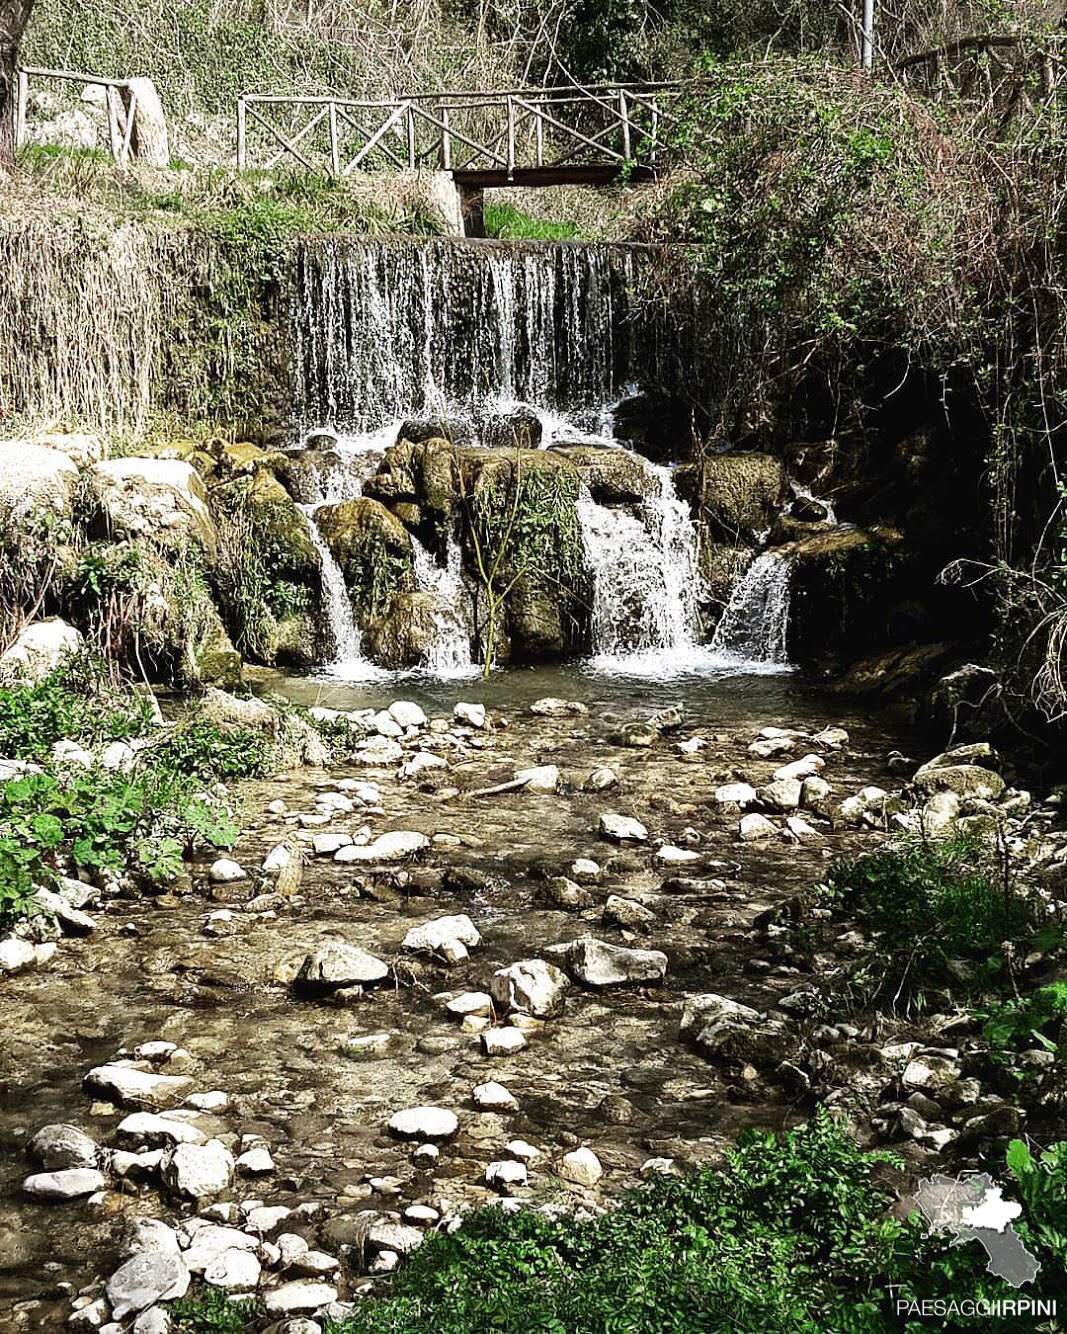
x: 21, y: 98
x: 511, y: 138
x: 446, y: 141
x: 335, y: 147
x: 411, y: 137
x: 624, y: 114
x: 655, y: 129
x: 867, y: 57
x: 539, y: 132
x: 131, y: 112
x: 241, y: 141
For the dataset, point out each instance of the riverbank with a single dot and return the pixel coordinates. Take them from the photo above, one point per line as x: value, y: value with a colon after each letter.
x: 358, y: 951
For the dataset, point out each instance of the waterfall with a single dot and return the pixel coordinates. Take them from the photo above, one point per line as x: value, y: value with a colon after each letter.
x: 450, y: 653
x: 348, y: 662
x: 646, y: 582
x: 383, y: 330
x: 753, y: 628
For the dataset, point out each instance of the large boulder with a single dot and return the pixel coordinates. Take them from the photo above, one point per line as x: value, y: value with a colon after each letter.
x: 613, y: 476
x: 740, y: 495
x: 39, y: 650
x: 34, y: 480
x: 374, y: 551
x: 161, y: 499
x: 725, y: 1030
x: 405, y: 633
x: 420, y: 480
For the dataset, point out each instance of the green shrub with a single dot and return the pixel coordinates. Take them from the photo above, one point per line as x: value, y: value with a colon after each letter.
x: 215, y: 1313
x: 202, y: 750
x: 1026, y: 1021
x: 74, y: 702
x: 96, y: 821
x: 510, y: 223
x: 939, y: 914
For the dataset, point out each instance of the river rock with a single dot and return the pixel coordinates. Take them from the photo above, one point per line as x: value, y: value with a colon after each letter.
x: 395, y: 846
x: 503, y: 1041
x: 551, y: 707
x: 870, y: 806
x: 582, y: 1167
x: 476, y: 1003
x: 144, y: 1280
x: 335, y: 964
x: 139, y: 1090
x: 198, y: 1171
x: 379, y: 752
x: 542, y: 778
x: 225, y: 871
x: 471, y: 715
x: 163, y: 499
x: 628, y: 913
x: 968, y: 781
x: 755, y: 827
x: 148, y: 1234
x: 233, y: 1271
x: 16, y: 955
x: 451, y: 937
x: 428, y: 1125
x: 735, y: 794
x: 61, y: 1146
x: 784, y: 794
x: 494, y: 1097
x: 724, y: 1029
x: 156, y: 1131
x: 506, y: 1175
x: 803, y: 768
x: 407, y: 714
x: 533, y: 986
x: 35, y: 480
x: 595, y: 963
x: 39, y: 649
x: 70, y: 1183
x: 300, y: 1295
x: 424, y: 761
x: 622, y: 828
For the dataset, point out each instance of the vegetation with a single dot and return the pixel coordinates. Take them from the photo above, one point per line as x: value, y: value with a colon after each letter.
x: 792, y: 1234
x: 509, y: 223
x: 942, y: 917
x: 76, y: 701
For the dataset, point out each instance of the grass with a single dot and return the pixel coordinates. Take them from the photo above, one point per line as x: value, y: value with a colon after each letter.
x: 506, y: 222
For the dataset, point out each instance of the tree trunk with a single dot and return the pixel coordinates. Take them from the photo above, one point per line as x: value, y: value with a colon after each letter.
x: 14, y: 15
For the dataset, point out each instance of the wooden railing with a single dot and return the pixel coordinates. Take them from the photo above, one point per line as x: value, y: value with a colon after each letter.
x: 545, y: 129
x: 120, y: 101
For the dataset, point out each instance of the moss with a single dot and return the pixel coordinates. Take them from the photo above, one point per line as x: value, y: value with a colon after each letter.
x: 374, y: 551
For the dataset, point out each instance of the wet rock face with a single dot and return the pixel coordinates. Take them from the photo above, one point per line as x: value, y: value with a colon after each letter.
x: 740, y: 495
x: 374, y: 551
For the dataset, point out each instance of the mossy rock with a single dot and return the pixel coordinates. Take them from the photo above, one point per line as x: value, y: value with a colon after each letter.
x: 740, y: 496
x: 402, y: 634
x: 420, y: 481
x: 613, y: 476
x: 535, y: 621
x: 374, y: 551
x: 721, y: 566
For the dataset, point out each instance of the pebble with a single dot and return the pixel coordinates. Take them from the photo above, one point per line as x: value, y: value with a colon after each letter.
x: 198, y: 1171
x: 622, y: 828
x: 506, y: 1175
x: 71, y: 1183
x: 225, y: 872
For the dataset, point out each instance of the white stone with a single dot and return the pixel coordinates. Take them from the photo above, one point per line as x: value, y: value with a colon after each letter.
x: 502, y: 1041
x: 407, y: 714
x: 69, y: 755
x: 421, y: 762
x: 198, y: 1171
x: 137, y: 1089
x: 386, y: 725
x: 506, y: 1175
x: 379, y: 752
x: 542, y: 778
x: 225, y: 872
x: 473, y: 715
x: 601, y: 779
x: 144, y: 1280
x: 552, y: 707
x: 447, y: 936
x: 622, y: 828
x: 585, y: 871
x: 149, y: 1128
x: 392, y: 847
x: 213, y: 1101
x: 335, y: 964
x: 209, y: 1242
x: 520, y: 1149
x: 426, y: 1124
x: 494, y: 1097
x: 477, y: 1003
x: 148, y: 1234
x: 802, y: 768
x: 70, y: 1183
x: 160, y: 498
x: 581, y: 1166
x: 255, y: 1161
x: 39, y: 650
x: 735, y: 794
x: 300, y: 1295
x: 671, y: 856
x: 532, y: 985
x: 754, y: 827
x: 61, y: 1146
x: 16, y: 955
x: 34, y: 480
x: 118, y: 757
x: 595, y: 963
x: 153, y: 1321
x: 233, y: 1271
x: 326, y: 845
x: 279, y: 859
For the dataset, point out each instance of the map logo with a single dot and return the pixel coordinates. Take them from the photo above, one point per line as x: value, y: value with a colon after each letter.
x: 973, y: 1208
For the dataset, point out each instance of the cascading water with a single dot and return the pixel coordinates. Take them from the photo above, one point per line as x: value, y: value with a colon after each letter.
x: 450, y: 652
x: 753, y: 629
x: 646, y: 581
x: 348, y: 663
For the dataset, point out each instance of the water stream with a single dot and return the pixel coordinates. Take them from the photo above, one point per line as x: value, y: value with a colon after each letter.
x: 754, y: 626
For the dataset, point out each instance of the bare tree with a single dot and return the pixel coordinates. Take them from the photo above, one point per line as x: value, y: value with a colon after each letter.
x: 14, y: 15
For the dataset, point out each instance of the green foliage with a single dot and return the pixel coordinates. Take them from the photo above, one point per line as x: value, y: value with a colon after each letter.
x: 1042, y: 1188
x: 199, y: 749
x: 97, y: 820
x: 1027, y: 1021
x: 75, y: 702
x: 509, y: 223
x: 213, y: 1312
x: 939, y: 914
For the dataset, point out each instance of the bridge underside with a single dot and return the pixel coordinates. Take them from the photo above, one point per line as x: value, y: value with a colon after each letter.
x: 473, y: 183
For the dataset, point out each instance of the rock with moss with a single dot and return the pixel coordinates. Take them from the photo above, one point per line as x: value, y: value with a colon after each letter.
x: 421, y: 481
x: 740, y: 495
x: 34, y: 480
x: 374, y: 551
x: 269, y: 571
x: 404, y: 633
x: 612, y: 476
x: 161, y: 499
x: 721, y: 566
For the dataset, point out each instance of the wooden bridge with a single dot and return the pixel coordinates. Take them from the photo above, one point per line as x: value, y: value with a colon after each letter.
x: 522, y: 137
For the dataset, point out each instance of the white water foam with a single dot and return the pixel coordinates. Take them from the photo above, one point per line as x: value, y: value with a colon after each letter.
x: 753, y: 630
